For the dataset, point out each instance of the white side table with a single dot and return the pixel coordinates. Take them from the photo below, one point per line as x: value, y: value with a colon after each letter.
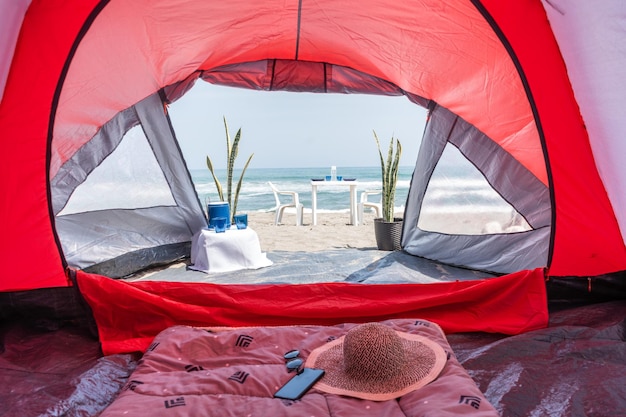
x: 353, y: 205
x: 232, y: 250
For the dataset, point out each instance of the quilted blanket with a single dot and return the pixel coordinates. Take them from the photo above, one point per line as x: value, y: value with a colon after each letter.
x: 190, y: 371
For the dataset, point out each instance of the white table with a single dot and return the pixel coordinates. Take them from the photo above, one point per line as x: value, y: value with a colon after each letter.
x: 229, y: 251
x: 352, y: 184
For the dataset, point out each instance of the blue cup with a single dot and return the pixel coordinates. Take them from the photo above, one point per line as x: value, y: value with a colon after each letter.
x: 219, y: 209
x: 328, y: 177
x: 339, y: 178
x: 241, y: 220
x: 220, y: 224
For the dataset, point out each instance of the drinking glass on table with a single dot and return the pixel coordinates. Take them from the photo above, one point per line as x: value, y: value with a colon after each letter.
x: 241, y: 220
x: 220, y: 224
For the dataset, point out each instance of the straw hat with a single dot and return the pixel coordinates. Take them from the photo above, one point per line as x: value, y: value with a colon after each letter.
x: 374, y: 362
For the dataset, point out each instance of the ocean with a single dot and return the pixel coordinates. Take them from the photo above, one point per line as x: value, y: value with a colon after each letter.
x: 455, y: 189
x: 256, y: 194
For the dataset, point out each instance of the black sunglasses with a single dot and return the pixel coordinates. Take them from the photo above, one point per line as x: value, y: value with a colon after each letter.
x: 293, y: 362
x: 292, y: 354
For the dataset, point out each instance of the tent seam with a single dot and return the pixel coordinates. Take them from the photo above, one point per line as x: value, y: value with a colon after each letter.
x: 531, y: 101
x: 53, y: 110
x: 298, y: 29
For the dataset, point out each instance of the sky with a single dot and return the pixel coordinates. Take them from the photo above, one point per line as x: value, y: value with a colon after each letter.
x: 290, y: 130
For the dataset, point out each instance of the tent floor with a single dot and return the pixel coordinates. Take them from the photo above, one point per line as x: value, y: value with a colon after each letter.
x: 367, y: 266
x: 574, y: 367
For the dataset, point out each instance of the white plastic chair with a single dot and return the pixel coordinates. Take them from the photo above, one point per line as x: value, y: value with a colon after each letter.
x: 280, y: 207
x: 364, y: 202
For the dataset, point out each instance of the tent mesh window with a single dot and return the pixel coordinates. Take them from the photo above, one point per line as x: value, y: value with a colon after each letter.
x: 459, y: 200
x: 125, y: 200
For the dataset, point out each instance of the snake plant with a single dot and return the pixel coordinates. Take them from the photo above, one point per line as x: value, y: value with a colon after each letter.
x: 232, y: 149
x: 389, y: 169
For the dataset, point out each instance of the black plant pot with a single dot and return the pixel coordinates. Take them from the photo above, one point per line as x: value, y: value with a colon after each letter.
x: 388, y: 234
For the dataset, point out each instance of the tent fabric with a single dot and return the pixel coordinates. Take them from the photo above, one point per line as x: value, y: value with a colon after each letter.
x: 130, y: 314
x: 85, y: 101
x: 498, y: 252
x: 496, y: 65
x: 23, y: 166
x: 577, y: 191
x: 541, y: 80
x: 145, y: 211
x: 11, y: 18
x: 593, y: 48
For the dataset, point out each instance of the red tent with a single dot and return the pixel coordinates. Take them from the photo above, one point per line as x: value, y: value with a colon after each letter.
x: 79, y: 75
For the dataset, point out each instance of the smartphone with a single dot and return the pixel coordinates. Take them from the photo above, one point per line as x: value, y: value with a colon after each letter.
x: 297, y: 386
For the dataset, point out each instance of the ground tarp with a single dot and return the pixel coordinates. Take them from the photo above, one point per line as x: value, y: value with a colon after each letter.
x: 574, y: 367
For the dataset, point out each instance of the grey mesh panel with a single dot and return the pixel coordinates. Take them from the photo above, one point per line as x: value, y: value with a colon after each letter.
x: 161, y: 138
x: 501, y: 253
x: 93, y: 237
x: 529, y: 196
x: 148, y: 233
x: 276, y: 75
x: 89, y: 156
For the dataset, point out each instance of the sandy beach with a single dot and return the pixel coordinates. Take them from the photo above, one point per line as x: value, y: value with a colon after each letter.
x: 332, y: 231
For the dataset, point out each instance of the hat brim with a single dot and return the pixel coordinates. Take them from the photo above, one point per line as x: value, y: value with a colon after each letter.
x: 425, y: 359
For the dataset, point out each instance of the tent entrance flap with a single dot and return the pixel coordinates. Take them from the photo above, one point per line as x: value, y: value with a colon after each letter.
x: 509, y: 304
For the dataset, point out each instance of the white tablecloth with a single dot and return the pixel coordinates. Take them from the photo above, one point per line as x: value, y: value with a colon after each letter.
x: 229, y: 251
